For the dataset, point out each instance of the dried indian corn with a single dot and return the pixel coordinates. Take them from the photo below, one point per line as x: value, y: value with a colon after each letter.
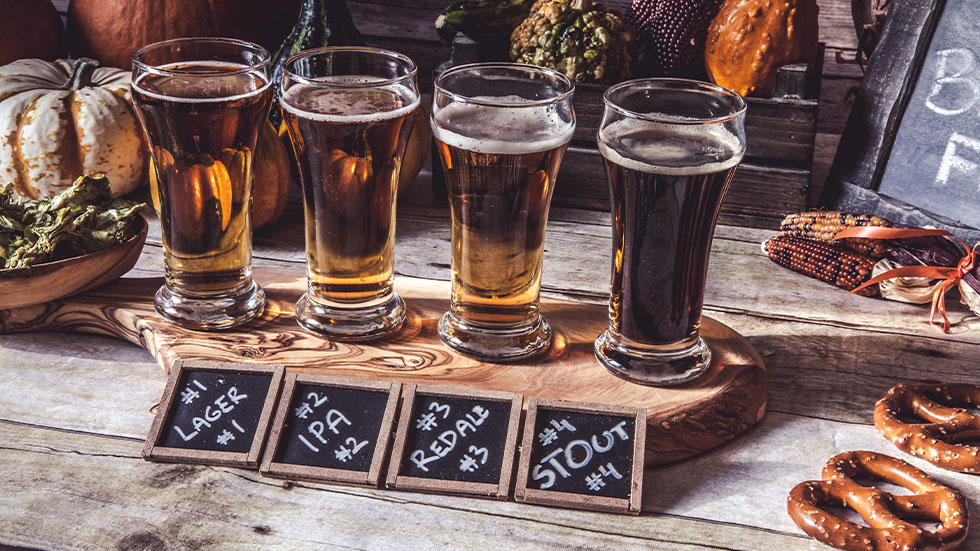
x: 843, y: 268
x: 823, y: 225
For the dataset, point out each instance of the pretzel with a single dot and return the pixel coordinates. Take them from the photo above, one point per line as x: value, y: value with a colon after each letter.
x: 936, y: 441
x: 887, y: 515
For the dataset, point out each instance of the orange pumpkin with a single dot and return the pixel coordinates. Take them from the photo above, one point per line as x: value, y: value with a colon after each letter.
x: 416, y: 151
x: 111, y: 30
x: 270, y: 188
x: 749, y: 40
x: 30, y: 28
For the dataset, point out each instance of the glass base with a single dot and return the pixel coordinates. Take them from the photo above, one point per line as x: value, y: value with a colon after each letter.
x: 495, y: 345
x: 210, y: 313
x: 652, y: 367
x: 351, y: 324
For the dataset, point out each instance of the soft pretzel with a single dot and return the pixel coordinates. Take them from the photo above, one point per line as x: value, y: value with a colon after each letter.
x: 948, y: 422
x: 888, y: 516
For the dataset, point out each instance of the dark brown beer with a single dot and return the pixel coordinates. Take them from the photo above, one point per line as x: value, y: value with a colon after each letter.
x: 350, y: 143
x: 500, y: 165
x: 666, y: 186
x: 204, y: 132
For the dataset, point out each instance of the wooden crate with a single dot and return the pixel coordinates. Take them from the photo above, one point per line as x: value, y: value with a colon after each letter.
x: 772, y: 180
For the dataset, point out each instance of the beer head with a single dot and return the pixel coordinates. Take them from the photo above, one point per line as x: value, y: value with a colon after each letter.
x: 349, y: 99
x: 672, y: 126
x: 503, y: 108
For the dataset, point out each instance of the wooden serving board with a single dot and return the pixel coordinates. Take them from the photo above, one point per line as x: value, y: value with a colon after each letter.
x: 682, y: 421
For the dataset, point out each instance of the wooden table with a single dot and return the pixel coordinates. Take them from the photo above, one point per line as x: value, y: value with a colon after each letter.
x: 75, y: 410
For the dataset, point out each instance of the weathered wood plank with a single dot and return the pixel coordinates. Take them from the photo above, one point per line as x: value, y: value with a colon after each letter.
x: 50, y: 476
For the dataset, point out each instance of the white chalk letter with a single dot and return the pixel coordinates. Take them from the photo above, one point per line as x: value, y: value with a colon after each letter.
x: 951, y: 68
x: 952, y: 161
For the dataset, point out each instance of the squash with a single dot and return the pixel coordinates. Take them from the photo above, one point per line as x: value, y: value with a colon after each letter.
x: 270, y: 182
x: 749, y: 40
x: 483, y: 21
x: 111, y: 30
x: 30, y: 29
x: 59, y: 121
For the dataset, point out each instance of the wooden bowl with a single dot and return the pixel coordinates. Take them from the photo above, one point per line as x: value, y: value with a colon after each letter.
x: 63, y: 278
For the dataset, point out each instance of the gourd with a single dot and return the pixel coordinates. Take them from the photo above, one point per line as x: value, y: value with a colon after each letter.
x: 30, y: 29
x: 59, y: 121
x: 111, y: 30
x: 486, y: 21
x: 221, y: 182
x: 749, y: 40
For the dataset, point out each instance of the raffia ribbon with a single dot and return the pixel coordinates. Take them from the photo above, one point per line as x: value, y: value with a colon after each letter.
x: 950, y: 276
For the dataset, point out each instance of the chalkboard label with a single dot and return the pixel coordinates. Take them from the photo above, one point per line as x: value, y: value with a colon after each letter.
x: 934, y: 163
x: 214, y: 413
x: 332, y: 429
x: 586, y: 456
x: 454, y: 440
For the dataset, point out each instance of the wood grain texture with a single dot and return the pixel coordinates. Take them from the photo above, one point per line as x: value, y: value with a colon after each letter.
x: 683, y: 421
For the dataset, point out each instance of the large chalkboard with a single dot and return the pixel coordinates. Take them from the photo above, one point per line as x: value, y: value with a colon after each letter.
x: 911, y: 148
x: 587, y: 456
x: 331, y: 429
x: 454, y: 440
x: 214, y: 413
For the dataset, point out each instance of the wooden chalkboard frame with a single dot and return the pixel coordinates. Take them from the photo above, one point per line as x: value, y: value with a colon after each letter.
x: 498, y: 491
x: 879, y: 107
x: 276, y: 469
x: 524, y: 494
x: 154, y: 452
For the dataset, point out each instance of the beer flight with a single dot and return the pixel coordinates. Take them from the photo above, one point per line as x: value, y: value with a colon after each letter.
x: 670, y: 147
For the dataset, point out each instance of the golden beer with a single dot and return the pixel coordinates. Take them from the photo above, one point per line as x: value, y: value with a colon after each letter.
x: 202, y: 120
x: 500, y: 153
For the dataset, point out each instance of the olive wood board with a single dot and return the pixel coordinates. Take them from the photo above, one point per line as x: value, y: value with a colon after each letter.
x: 682, y: 421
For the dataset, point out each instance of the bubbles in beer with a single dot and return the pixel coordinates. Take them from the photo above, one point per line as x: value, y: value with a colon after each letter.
x: 349, y: 105
x: 670, y: 149
x: 508, y: 127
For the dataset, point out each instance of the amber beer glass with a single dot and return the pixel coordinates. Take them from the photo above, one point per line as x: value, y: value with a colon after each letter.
x: 201, y: 102
x: 501, y: 130
x: 670, y: 147
x: 349, y: 112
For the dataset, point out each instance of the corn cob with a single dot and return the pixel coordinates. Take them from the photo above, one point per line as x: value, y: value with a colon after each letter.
x: 843, y: 268
x: 823, y: 225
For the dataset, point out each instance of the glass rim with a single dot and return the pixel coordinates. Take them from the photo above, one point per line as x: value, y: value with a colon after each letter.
x: 687, y: 85
x: 505, y: 65
x: 244, y: 44
x: 412, y: 73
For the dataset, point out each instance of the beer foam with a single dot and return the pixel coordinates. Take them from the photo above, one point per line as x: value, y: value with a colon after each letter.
x: 672, y: 149
x: 202, y: 83
x: 509, y: 127
x: 348, y: 105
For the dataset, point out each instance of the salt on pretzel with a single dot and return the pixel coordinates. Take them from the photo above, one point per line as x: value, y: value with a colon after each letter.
x: 938, y: 440
x: 888, y: 515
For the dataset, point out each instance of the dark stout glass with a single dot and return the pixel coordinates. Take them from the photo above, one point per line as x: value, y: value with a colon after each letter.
x: 201, y: 103
x: 663, y: 223
x: 670, y: 148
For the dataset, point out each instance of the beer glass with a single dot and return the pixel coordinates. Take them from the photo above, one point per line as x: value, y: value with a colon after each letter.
x: 501, y: 130
x: 670, y: 148
x: 349, y: 112
x: 201, y: 102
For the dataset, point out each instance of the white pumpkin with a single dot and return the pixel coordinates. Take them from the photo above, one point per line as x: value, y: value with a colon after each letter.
x: 60, y: 120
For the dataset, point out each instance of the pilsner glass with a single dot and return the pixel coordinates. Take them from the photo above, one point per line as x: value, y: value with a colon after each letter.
x: 349, y: 112
x: 201, y: 102
x: 501, y: 130
x: 670, y: 148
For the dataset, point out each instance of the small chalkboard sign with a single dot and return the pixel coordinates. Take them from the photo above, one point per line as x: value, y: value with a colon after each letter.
x: 586, y: 456
x: 455, y: 440
x: 331, y: 428
x: 214, y: 413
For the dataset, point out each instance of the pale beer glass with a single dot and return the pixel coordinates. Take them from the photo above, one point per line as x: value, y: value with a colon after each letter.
x: 349, y: 112
x: 201, y: 102
x: 501, y: 130
x: 670, y: 148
